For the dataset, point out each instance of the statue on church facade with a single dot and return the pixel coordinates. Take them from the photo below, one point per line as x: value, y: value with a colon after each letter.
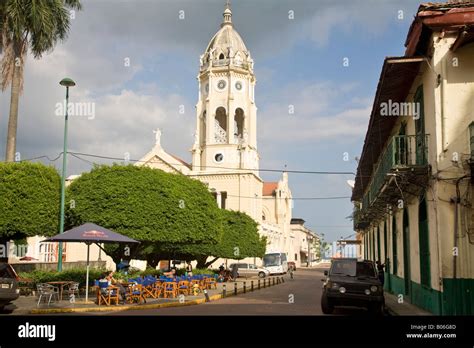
x: 157, y: 137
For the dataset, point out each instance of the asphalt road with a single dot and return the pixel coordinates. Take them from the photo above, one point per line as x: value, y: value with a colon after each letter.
x: 298, y: 296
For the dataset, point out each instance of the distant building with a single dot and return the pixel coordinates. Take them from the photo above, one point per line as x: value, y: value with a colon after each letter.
x: 305, y: 246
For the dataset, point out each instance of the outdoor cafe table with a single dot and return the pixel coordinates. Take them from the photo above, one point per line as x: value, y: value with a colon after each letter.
x: 61, y: 285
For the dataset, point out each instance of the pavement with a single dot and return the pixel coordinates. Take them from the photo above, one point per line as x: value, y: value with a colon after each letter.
x: 395, y: 308
x: 298, y: 296
x: 25, y: 305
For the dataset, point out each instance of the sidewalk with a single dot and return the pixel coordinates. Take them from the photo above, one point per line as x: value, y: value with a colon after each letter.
x: 405, y: 308
x: 28, y: 304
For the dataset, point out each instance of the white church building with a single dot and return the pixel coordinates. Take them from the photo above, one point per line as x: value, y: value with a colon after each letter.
x: 224, y: 153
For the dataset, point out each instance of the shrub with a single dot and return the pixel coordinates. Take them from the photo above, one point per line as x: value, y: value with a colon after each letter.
x: 204, y: 271
x: 74, y: 274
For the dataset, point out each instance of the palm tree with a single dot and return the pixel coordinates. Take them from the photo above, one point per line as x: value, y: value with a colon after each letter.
x: 35, y: 25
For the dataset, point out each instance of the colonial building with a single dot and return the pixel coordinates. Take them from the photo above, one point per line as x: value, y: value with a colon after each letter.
x: 224, y: 152
x: 413, y: 193
x: 304, y: 243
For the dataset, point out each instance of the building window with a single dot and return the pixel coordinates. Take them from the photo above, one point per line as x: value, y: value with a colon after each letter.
x: 47, y: 252
x: 223, y: 199
x: 220, y: 131
x: 296, y: 257
x: 221, y: 56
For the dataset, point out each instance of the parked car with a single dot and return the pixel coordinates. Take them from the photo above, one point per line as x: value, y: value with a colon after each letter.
x: 350, y: 282
x: 9, y: 290
x: 291, y: 264
x: 249, y: 270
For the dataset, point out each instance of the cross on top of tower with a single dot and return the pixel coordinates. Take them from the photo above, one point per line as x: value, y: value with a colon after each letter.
x: 227, y: 13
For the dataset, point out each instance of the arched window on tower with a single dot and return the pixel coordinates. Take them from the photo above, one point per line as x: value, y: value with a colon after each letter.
x: 203, y: 128
x: 221, y: 56
x: 220, y: 126
x: 239, y: 118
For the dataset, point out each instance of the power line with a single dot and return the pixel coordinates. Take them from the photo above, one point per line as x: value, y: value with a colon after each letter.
x: 220, y: 167
x: 77, y: 154
x: 294, y: 198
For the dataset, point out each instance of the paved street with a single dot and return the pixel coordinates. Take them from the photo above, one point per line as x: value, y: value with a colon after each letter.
x: 300, y: 296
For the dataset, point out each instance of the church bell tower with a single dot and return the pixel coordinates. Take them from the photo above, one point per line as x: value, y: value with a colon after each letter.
x: 226, y: 126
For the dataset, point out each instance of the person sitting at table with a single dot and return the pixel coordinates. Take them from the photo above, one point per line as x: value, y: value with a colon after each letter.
x: 112, y: 281
x: 171, y: 274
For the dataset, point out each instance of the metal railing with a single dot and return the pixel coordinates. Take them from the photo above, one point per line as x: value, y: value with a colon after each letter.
x: 402, y: 151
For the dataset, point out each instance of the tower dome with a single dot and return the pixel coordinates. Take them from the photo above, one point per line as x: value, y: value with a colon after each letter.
x: 226, y: 47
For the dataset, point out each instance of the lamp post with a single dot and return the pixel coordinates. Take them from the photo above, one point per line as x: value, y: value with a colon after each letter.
x: 66, y: 82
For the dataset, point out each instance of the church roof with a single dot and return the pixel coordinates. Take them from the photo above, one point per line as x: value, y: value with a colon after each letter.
x: 269, y: 188
x: 181, y: 161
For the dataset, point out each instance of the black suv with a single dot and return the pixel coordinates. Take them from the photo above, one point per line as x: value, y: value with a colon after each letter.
x: 350, y: 282
x: 9, y: 290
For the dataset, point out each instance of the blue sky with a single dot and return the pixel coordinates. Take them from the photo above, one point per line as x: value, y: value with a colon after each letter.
x: 297, y: 61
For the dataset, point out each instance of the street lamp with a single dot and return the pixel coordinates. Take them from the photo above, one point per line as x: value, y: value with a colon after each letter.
x: 66, y: 82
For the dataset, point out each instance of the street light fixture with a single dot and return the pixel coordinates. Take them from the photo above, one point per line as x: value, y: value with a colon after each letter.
x: 66, y: 82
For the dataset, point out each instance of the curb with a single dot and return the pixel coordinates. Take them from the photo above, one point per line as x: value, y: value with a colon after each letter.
x: 214, y: 297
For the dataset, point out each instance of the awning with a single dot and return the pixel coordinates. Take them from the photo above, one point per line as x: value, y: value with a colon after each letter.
x: 396, y: 79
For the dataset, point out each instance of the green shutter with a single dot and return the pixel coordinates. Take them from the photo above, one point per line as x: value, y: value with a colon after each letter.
x: 406, y: 251
x: 379, y: 252
x: 394, y: 245
x: 425, y: 269
x: 373, y: 245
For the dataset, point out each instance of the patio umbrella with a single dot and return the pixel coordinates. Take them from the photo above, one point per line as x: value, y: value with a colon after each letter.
x: 90, y: 233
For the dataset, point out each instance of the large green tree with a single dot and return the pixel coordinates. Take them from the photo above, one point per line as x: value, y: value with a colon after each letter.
x: 145, y: 204
x: 29, y: 200
x: 35, y: 25
x: 239, y: 240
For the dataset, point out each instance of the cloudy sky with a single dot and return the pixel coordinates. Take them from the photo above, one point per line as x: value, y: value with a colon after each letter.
x: 299, y: 58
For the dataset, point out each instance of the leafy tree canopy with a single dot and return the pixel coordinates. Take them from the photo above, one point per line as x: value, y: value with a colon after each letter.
x: 145, y: 204
x: 29, y: 200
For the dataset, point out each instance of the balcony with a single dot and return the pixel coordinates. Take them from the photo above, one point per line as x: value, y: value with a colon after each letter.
x: 402, y: 171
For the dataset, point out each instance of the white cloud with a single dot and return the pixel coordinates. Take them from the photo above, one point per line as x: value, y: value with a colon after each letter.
x: 314, y: 119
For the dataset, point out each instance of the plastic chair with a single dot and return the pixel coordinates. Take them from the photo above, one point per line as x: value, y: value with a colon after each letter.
x: 73, y: 289
x: 47, y: 291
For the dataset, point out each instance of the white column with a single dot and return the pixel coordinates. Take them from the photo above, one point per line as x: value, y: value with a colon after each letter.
x: 219, y: 200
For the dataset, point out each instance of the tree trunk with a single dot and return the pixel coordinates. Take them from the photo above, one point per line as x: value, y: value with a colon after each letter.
x: 211, y: 262
x: 152, y: 262
x: 201, y: 261
x: 13, y: 118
